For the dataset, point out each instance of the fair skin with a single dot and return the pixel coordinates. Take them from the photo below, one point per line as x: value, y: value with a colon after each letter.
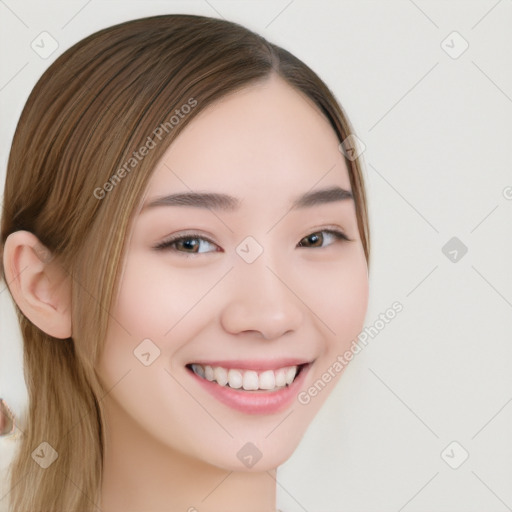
x: 170, y: 444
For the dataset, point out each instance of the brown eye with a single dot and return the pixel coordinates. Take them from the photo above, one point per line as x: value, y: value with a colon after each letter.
x: 187, y: 244
x: 317, y: 239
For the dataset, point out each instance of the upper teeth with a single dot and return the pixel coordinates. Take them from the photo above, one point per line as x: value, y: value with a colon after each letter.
x: 247, y: 379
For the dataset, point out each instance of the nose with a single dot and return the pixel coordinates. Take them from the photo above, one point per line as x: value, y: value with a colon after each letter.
x: 260, y: 300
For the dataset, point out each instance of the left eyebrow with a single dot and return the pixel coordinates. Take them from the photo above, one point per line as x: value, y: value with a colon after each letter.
x: 219, y: 201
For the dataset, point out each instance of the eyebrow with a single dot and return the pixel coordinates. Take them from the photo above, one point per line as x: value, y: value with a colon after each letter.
x: 219, y: 201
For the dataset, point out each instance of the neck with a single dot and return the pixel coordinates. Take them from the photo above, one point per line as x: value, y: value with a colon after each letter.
x: 140, y: 473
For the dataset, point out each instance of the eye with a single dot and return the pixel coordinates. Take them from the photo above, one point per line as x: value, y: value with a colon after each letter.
x: 188, y: 244
x: 191, y: 243
x: 318, y: 238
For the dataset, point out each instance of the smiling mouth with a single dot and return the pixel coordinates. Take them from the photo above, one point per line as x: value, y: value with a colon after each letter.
x: 248, y: 380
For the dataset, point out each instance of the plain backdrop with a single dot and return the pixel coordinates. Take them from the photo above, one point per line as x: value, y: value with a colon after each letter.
x: 422, y: 418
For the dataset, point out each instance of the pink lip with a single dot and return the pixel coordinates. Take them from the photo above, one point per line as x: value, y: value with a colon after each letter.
x: 254, y: 364
x: 254, y: 402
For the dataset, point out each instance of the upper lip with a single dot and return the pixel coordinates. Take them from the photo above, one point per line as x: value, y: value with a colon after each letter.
x: 255, y: 364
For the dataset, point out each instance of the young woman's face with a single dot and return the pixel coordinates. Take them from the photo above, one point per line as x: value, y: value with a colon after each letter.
x: 257, y: 285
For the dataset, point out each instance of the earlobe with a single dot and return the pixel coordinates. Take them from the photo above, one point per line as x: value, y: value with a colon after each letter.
x: 40, y: 287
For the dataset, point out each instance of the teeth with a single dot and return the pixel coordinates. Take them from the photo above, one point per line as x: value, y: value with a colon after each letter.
x: 220, y: 375
x: 249, y: 380
x: 208, y: 373
x: 198, y: 369
x: 268, y: 380
x: 290, y: 374
x: 281, y: 378
x: 234, y: 378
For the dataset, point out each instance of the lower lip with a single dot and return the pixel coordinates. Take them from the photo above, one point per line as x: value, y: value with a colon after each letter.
x: 255, y: 402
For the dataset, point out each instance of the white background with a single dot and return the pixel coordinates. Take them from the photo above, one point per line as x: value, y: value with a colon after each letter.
x: 438, y: 159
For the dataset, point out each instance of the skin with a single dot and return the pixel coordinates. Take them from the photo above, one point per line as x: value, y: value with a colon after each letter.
x: 170, y: 444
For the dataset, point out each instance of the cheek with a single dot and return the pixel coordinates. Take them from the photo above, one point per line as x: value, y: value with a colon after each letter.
x: 146, y: 307
x: 154, y: 296
x: 340, y: 299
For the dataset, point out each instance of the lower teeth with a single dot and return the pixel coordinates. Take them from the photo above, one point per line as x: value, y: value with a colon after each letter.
x: 249, y: 390
x: 254, y: 390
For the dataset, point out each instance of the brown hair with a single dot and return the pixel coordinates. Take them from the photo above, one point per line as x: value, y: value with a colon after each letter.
x: 99, y: 102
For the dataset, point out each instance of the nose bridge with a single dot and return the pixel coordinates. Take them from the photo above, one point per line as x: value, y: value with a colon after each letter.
x: 260, y: 299
x: 260, y: 279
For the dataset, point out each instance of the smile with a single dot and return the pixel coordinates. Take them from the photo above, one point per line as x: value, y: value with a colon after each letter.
x: 260, y: 390
x: 248, y: 380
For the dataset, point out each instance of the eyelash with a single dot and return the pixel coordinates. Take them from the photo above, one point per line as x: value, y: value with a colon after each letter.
x: 168, y: 243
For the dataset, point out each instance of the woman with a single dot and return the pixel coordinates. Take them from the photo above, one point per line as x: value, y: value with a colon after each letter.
x: 185, y: 236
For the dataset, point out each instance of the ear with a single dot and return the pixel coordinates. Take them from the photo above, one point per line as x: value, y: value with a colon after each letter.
x: 39, y: 285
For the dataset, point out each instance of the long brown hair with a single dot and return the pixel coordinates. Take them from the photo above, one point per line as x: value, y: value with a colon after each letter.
x: 73, y: 180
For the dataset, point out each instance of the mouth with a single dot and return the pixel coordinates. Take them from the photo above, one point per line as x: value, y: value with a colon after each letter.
x: 248, y: 380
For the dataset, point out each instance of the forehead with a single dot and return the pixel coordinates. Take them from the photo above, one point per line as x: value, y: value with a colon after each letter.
x: 264, y: 140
